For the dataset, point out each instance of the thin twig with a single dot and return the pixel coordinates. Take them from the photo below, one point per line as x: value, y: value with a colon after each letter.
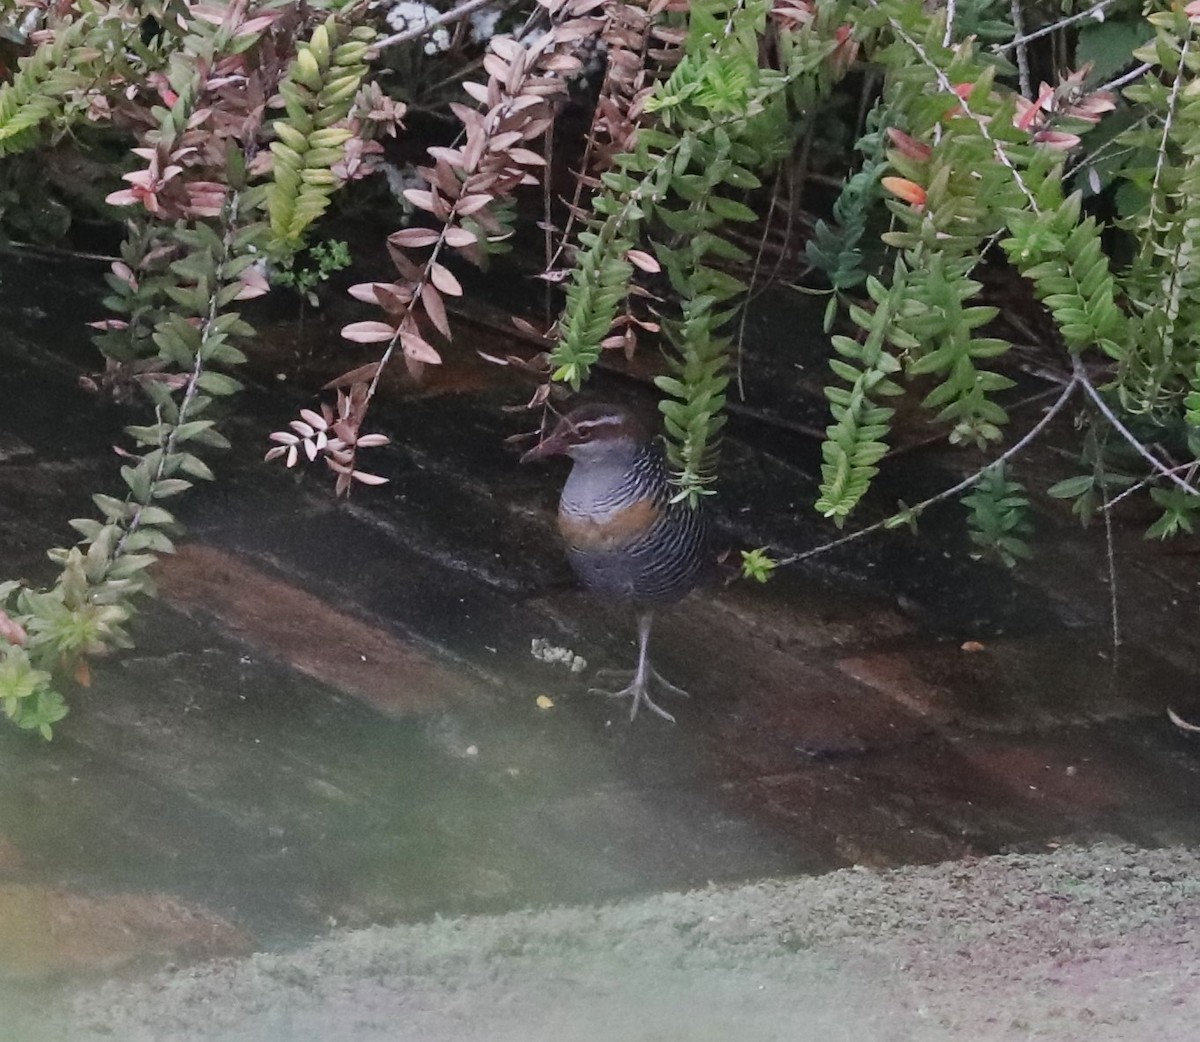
x: 1166, y: 472
x: 1128, y: 77
x: 1133, y: 489
x: 58, y: 251
x: 951, y: 11
x: 1059, y: 403
x: 1112, y: 573
x: 548, y: 219
x: 415, y: 32
x: 1091, y: 12
x: 1168, y: 122
x: 1018, y: 20
x: 740, y: 338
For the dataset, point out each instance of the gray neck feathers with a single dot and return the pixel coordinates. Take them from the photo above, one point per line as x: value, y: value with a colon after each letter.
x: 603, y: 482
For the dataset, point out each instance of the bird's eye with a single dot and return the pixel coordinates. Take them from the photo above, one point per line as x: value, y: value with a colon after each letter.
x: 583, y: 433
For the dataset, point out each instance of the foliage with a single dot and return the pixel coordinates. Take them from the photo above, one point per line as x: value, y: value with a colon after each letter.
x: 974, y: 162
x: 318, y: 92
x: 997, y: 521
x: 719, y: 117
x: 328, y: 257
x: 757, y: 564
x: 242, y: 119
x: 196, y: 99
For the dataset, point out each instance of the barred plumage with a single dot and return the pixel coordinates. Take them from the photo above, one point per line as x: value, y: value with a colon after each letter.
x: 624, y: 536
x: 658, y: 563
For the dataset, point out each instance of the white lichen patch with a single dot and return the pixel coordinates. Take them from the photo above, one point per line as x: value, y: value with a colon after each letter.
x: 542, y: 650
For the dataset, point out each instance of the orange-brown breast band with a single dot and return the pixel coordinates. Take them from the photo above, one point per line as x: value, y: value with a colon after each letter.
x: 616, y: 531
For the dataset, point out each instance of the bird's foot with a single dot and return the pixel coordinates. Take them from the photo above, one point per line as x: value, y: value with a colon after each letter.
x: 638, y: 690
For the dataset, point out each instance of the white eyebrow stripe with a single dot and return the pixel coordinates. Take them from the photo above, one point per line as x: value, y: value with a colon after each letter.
x: 603, y: 421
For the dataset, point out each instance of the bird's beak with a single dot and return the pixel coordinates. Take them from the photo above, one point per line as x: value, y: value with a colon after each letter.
x: 554, y: 445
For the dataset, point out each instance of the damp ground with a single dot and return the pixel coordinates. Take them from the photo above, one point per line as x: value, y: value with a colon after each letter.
x: 332, y: 722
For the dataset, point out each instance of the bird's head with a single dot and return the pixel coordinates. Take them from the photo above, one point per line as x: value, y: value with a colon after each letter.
x: 590, y: 433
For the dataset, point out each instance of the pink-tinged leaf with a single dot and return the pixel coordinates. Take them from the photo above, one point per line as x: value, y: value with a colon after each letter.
x: 208, y: 13
x: 145, y: 153
x: 139, y: 179
x: 909, y: 191
x: 505, y: 46
x: 526, y: 157
x: 469, y: 204
x: 528, y: 328
x: 554, y: 275
x: 459, y: 237
x: 293, y: 456
x: 411, y: 237
x: 109, y: 323
x: 256, y: 25
x: 908, y: 146
x: 283, y: 437
x: 364, y: 374
x: 495, y: 66
x: 313, y: 419
x: 1027, y: 113
x: 125, y: 273
x: 125, y: 197
x: 254, y: 284
x: 466, y: 115
x: 562, y: 63
x: 431, y: 300
x: 450, y: 156
x: 368, y: 332
x: 1059, y: 140
x: 366, y: 291
x: 444, y: 279
x: 368, y: 479
x: 478, y: 91
x: 643, y: 260
x: 418, y: 349
x: 310, y: 450
x: 372, y: 441
x: 1094, y: 105
x: 275, y: 453
x: 501, y: 142
x: 420, y: 198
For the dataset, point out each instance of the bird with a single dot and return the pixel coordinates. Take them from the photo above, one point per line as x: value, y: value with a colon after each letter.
x: 626, y: 536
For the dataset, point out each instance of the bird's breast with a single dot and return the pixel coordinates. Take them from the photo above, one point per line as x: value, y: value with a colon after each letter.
x: 611, y: 530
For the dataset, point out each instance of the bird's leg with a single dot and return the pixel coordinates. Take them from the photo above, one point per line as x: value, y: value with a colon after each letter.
x: 638, y: 688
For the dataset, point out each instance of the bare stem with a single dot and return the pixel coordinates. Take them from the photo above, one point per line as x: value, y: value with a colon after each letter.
x: 1112, y: 574
x: 415, y: 32
x: 1092, y: 12
x: 1128, y: 77
x: 1111, y: 504
x: 1097, y: 398
x: 951, y: 11
x: 1059, y: 403
x: 1022, y: 50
